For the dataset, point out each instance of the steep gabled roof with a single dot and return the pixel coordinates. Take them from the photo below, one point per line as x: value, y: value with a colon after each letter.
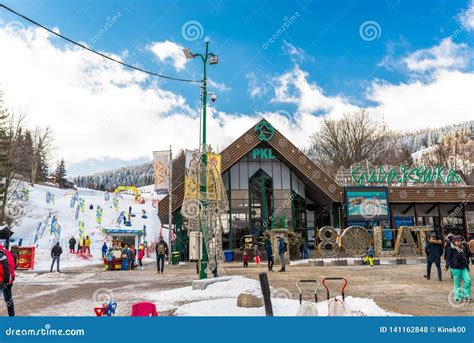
x: 292, y: 156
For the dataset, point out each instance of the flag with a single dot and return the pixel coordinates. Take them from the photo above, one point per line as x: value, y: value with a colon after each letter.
x: 38, y: 231
x: 161, y: 163
x: 76, y: 216
x: 49, y: 198
x: 73, y: 200
x: 81, y: 229
x: 121, y: 217
x: 54, y: 225
x: 82, y: 204
x: 173, y: 236
x: 115, y: 203
x: 106, y: 196
x: 98, y: 215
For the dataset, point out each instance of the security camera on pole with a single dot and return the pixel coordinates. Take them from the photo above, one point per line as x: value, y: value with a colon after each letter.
x: 212, y: 59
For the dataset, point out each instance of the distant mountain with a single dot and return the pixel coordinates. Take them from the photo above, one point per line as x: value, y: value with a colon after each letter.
x: 138, y: 175
x: 142, y: 174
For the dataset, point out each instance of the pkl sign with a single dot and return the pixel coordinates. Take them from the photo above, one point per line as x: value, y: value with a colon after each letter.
x: 262, y: 154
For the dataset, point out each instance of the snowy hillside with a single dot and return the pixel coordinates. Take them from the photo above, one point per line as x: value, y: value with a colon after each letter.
x: 37, y: 211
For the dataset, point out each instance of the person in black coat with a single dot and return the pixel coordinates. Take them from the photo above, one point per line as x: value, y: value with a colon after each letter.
x: 55, y: 254
x: 457, y: 260
x: 72, y: 245
x: 434, y: 251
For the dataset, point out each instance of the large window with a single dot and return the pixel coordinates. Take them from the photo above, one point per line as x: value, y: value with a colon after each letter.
x: 299, y: 212
x: 261, y: 207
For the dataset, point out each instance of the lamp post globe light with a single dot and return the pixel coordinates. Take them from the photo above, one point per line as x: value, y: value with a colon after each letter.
x: 212, y: 59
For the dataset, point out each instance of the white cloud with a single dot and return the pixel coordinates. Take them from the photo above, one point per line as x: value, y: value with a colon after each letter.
x: 446, y: 55
x: 255, y: 87
x: 169, y: 52
x: 296, y: 54
x: 218, y: 86
x: 445, y: 99
x: 466, y: 17
x: 293, y: 87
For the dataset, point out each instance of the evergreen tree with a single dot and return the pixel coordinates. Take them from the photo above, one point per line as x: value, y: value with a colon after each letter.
x: 60, y: 174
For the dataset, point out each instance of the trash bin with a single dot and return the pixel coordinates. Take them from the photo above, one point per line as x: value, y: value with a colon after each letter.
x: 229, y: 256
x: 175, y: 257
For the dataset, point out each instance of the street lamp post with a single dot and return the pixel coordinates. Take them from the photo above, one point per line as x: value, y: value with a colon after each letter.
x: 212, y: 59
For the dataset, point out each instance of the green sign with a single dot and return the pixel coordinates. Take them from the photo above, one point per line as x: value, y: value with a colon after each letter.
x: 262, y: 154
x: 404, y: 173
x: 265, y: 131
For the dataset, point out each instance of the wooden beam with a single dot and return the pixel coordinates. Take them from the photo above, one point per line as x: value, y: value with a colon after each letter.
x: 407, y: 209
x: 430, y: 209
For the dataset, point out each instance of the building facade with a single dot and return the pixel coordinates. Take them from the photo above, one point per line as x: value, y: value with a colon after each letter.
x: 271, y: 184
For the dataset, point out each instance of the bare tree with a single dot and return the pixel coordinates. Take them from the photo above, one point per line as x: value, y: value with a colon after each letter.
x: 42, y: 145
x: 455, y: 150
x: 353, y: 138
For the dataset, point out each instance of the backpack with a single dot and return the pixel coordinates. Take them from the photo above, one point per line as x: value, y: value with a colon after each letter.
x: 285, y: 246
x: 161, y: 249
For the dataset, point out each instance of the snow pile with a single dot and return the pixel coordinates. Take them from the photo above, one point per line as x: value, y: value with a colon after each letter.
x: 220, y: 299
x: 37, y: 210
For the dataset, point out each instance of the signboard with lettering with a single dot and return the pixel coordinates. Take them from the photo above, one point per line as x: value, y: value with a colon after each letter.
x: 365, y: 173
x: 262, y: 154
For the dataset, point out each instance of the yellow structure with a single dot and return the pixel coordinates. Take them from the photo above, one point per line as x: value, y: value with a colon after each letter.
x: 138, y: 197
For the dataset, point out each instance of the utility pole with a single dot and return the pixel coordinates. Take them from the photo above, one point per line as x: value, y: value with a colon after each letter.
x: 212, y: 59
x: 170, y: 205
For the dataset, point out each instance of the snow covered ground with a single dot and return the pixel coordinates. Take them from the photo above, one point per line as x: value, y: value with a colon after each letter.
x: 37, y: 210
x: 220, y: 299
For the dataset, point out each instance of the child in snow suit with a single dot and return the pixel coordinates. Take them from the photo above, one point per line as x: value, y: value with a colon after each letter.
x: 370, y: 256
x: 245, y: 259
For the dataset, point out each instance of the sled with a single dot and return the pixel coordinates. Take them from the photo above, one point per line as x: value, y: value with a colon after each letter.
x: 307, y: 309
x: 336, y: 307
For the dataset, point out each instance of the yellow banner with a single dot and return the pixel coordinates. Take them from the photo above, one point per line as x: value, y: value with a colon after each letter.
x: 191, y: 187
x: 213, y: 177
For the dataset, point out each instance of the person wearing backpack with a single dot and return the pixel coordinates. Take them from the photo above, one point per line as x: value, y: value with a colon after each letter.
x: 282, y: 248
x: 55, y: 254
x: 125, y: 258
x: 7, y: 276
x: 457, y: 260
x: 161, y: 252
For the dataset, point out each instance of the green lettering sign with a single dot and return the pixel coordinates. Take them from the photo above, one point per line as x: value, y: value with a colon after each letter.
x: 262, y: 154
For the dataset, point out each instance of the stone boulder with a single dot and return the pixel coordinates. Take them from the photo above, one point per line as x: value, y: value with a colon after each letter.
x: 249, y: 298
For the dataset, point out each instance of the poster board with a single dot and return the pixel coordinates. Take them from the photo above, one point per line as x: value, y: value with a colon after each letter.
x: 367, y: 203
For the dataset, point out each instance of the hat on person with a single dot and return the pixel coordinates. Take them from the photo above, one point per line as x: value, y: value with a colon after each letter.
x: 449, y: 235
x: 457, y: 238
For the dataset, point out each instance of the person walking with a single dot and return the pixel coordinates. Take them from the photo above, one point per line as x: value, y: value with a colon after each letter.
x: 269, y: 253
x: 7, y: 276
x: 458, y: 260
x: 257, y: 254
x: 87, y: 248
x: 282, y: 248
x: 161, y: 253
x: 104, y: 250
x: 56, y: 252
x: 245, y: 259
x: 110, y: 259
x: 141, y: 254
x: 72, y: 245
x: 125, y: 257
x: 434, y: 251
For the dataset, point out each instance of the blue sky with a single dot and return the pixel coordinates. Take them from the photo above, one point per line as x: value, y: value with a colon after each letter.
x: 294, y: 61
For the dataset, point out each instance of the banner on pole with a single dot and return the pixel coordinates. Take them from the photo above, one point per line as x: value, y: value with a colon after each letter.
x: 213, y: 177
x: 161, y: 162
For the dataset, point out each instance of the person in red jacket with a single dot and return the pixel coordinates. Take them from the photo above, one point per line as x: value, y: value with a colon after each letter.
x: 7, y: 276
x: 141, y: 254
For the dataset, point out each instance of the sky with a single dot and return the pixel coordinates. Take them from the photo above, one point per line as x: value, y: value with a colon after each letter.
x: 409, y: 63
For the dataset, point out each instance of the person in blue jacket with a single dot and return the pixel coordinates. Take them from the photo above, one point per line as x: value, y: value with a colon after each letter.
x: 282, y: 248
x: 434, y: 251
x: 110, y: 258
x: 269, y: 253
x: 125, y: 258
x: 104, y: 250
x: 458, y: 260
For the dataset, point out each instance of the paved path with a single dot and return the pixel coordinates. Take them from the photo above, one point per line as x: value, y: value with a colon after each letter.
x: 400, y: 289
